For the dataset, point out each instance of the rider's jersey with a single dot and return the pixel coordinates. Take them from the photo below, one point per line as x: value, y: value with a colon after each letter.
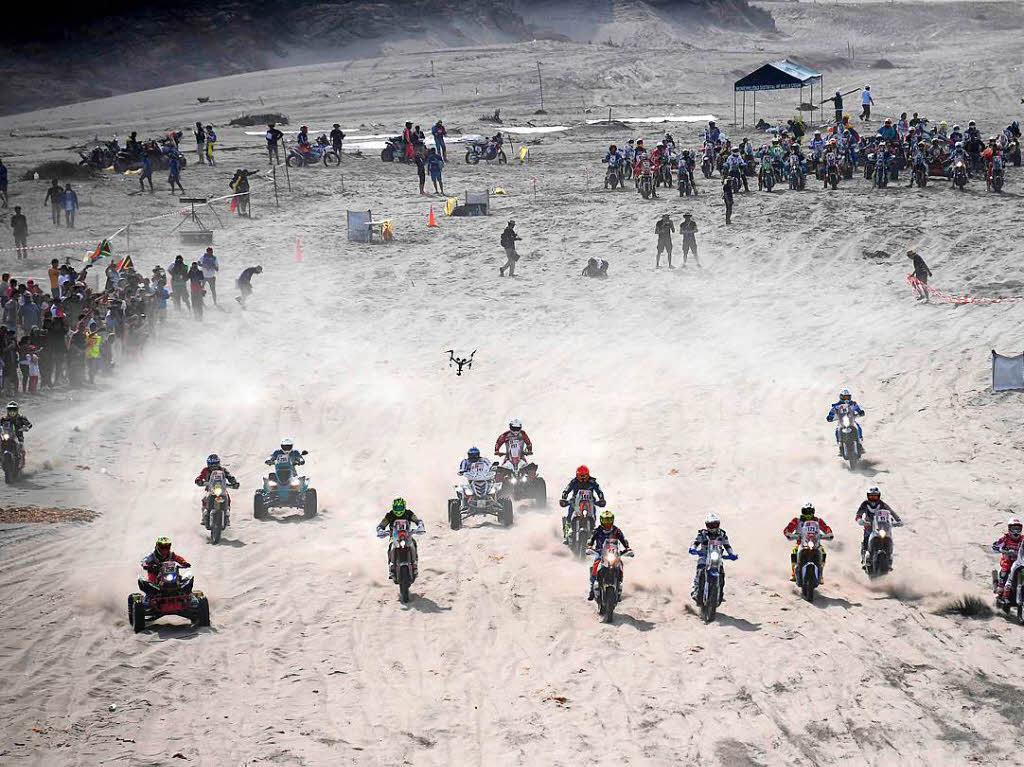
x: 1008, y: 546
x: 294, y: 456
x: 734, y: 162
x: 204, y: 475
x: 856, y: 409
x: 612, y: 158
x: 796, y: 527
x: 508, y: 435
x: 390, y: 517
x: 866, y: 512
x: 19, y: 424
x: 704, y: 538
x: 575, y: 486
x: 600, y: 537
x: 468, y: 464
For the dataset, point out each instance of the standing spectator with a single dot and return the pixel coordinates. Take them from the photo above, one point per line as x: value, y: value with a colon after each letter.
x: 3, y: 184
x: 837, y: 101
x: 200, y: 135
x: 866, y: 102
x: 273, y: 136
x: 179, y: 282
x: 146, y: 174
x: 211, y: 140
x: 19, y: 226
x: 438, y: 131
x: 33, y: 370
x: 337, y: 138
x: 208, y: 263
x: 727, y: 198
x: 10, y: 315
x: 24, y: 349
x: 922, y: 273
x: 160, y: 296
x: 54, y: 273
x: 93, y: 350
x: 29, y: 313
x: 245, y: 283
x: 53, y: 196
x: 196, y: 289
x: 664, y: 228
x: 421, y: 170
x: 174, y: 173
x: 407, y: 136
x: 240, y: 186
x: 70, y: 202
x: 508, y: 242
x: 434, y: 164
x: 57, y: 346
x: 689, y: 231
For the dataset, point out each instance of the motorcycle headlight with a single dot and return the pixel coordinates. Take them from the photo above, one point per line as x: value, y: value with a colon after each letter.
x: 294, y: 482
x: 882, y: 534
x: 811, y: 544
x: 512, y: 480
x: 170, y: 578
x: 218, y: 490
x: 5, y: 437
x: 611, y: 559
x: 846, y: 422
x: 271, y: 483
x: 715, y: 558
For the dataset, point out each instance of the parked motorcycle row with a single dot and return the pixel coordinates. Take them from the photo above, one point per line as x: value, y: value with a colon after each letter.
x: 110, y: 154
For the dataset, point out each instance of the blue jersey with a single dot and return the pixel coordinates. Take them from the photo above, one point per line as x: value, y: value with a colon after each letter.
x: 834, y: 411
x: 601, y: 536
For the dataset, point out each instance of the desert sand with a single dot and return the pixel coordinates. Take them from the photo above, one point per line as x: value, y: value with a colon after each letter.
x: 685, y: 392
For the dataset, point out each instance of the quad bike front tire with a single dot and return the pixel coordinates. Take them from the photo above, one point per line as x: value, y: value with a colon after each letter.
x: 505, y: 515
x: 259, y: 508
x: 138, y: 616
x: 309, y: 507
x: 454, y: 515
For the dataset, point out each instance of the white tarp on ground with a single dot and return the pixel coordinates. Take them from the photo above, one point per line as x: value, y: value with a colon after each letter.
x: 533, y: 128
x: 659, y: 119
x: 1007, y: 372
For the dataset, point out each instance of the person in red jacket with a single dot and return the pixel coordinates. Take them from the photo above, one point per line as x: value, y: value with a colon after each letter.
x: 794, y: 532
x: 212, y: 465
x: 1008, y: 546
x: 161, y: 553
x: 515, y: 431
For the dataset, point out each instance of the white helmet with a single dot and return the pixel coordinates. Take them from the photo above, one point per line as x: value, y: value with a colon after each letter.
x: 712, y: 521
x: 1012, y: 523
x: 287, y: 444
x: 515, y: 424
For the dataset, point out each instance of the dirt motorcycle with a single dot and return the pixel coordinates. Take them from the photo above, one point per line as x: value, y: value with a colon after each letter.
x: 765, y: 176
x: 710, y: 588
x: 881, y: 173
x: 797, y: 176
x: 849, y: 437
x: 608, y: 572
x: 217, y: 504
x: 663, y: 176
x: 394, y: 149
x: 921, y: 174
x: 519, y: 476
x: 810, y: 558
x: 1016, y: 579
x: 479, y: 495
x: 317, y: 153
x: 645, y: 179
x: 959, y: 174
x: 685, y: 184
x: 994, y: 175
x: 100, y: 157
x: 168, y: 592
x: 582, y: 521
x: 487, y: 151
x: 877, y: 557
x: 12, y: 454
x: 831, y: 175
x: 403, y: 556
x: 613, y: 176
x: 707, y: 165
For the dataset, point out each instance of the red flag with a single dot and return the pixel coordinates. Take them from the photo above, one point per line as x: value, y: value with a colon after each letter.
x: 234, y: 204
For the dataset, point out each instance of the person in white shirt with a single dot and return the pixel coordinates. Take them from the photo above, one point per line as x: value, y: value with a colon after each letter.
x: 866, y: 102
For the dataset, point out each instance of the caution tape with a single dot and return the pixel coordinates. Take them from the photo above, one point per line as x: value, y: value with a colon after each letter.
x: 49, y: 245
x: 954, y: 299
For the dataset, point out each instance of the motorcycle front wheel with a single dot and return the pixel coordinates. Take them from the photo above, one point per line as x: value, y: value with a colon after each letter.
x: 331, y: 159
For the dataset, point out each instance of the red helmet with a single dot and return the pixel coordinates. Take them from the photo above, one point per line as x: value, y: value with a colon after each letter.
x: 582, y: 474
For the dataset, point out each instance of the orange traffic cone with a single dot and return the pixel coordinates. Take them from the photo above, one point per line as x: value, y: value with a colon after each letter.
x: 431, y: 221
x: 298, y: 249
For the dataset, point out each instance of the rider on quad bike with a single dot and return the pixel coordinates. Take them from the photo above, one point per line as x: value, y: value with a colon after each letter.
x: 288, y: 449
x: 515, y: 431
x: 472, y: 461
x: 161, y: 553
x: 212, y: 465
x: 582, y: 481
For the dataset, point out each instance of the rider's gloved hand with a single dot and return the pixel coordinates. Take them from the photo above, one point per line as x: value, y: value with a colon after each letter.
x: 695, y: 552
x: 732, y: 557
x: 601, y: 502
x: 563, y: 503
x: 381, y: 532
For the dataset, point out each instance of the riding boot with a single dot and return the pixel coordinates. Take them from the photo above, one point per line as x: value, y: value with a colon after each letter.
x: 590, y: 592
x: 792, y: 571
x: 206, y: 517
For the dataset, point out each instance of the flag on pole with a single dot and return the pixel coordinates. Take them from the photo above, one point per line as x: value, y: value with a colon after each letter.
x: 234, y: 204
x: 125, y: 263
x: 102, y: 251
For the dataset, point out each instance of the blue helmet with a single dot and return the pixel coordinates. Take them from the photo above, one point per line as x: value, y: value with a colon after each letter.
x: 474, y: 452
x: 213, y: 460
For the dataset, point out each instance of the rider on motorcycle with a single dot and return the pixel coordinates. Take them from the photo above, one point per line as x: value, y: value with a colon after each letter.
x: 958, y: 153
x: 712, y: 531
x: 582, y: 481
x: 794, y: 531
x: 287, y: 449
x: 612, y: 158
x: 734, y: 165
x: 212, y: 465
x: 398, y: 511
x: 18, y: 423
x: 604, y: 532
x: 816, y: 145
x: 687, y: 163
x: 845, y: 398
x: 866, y: 515
x: 302, y: 140
x: 515, y: 431
x: 713, y: 133
x: 1008, y: 546
x: 473, y: 461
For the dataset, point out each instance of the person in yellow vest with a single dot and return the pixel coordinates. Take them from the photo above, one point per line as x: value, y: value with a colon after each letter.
x: 93, y: 345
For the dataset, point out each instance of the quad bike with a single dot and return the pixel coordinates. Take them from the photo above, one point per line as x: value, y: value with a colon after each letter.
x: 607, y: 570
x: 479, y: 495
x: 518, y: 475
x: 168, y: 592
x: 283, y: 488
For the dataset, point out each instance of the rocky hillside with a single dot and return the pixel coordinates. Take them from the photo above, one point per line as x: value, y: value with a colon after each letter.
x: 88, y: 51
